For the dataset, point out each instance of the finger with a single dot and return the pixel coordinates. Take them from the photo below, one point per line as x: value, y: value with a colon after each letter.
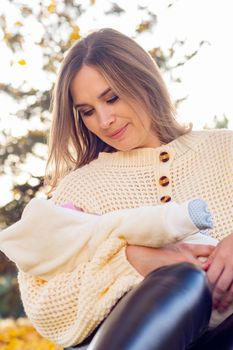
x: 205, y: 265
x: 193, y: 260
x: 215, y: 270
x: 226, y: 300
x: 186, y: 256
x: 204, y: 250
x: 213, y: 275
x: 221, y: 287
x: 225, y: 280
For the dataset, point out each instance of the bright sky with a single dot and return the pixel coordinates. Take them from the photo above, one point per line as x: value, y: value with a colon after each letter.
x: 206, y: 80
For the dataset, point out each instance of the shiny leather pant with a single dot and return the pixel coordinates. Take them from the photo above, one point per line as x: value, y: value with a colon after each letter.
x: 219, y: 338
x: 168, y: 310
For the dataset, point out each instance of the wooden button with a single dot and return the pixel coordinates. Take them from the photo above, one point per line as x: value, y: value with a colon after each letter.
x: 164, y: 181
x: 164, y: 157
x: 165, y: 199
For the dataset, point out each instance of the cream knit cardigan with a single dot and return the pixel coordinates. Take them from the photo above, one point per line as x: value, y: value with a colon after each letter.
x: 67, y: 308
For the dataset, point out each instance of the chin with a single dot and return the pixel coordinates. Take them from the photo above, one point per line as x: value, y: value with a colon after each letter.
x: 124, y: 148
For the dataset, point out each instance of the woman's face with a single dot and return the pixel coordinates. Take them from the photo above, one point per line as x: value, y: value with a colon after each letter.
x: 119, y: 124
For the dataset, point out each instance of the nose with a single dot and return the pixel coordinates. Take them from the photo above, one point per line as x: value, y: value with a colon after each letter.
x: 106, y: 118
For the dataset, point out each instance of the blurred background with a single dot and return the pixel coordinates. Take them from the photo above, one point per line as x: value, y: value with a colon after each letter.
x: 191, y: 40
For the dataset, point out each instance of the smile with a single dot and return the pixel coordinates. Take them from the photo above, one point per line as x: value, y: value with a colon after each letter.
x: 118, y: 133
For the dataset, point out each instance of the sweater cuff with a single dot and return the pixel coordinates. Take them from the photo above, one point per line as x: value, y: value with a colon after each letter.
x: 121, y: 266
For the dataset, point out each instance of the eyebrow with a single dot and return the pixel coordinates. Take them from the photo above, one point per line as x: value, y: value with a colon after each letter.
x: 100, y: 96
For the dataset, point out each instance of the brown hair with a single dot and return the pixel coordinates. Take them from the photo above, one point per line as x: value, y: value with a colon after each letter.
x: 131, y: 73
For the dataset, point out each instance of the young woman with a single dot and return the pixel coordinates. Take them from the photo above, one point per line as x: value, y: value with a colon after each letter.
x: 115, y: 144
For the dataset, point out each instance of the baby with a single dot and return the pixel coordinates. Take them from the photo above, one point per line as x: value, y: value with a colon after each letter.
x: 51, y: 239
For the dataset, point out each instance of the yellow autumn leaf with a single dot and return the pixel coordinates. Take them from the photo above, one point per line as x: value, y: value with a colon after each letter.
x: 18, y: 24
x: 19, y: 334
x: 75, y: 34
x: 52, y: 6
x: 144, y: 26
x: 22, y: 62
x: 7, y: 36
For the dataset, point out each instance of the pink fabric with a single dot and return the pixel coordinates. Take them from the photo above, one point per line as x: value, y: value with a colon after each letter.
x: 70, y: 205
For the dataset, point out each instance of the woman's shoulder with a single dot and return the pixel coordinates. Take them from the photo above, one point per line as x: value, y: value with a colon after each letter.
x: 208, y: 136
x: 220, y: 137
x: 77, y: 183
x: 213, y: 132
x: 203, y: 142
x: 78, y: 175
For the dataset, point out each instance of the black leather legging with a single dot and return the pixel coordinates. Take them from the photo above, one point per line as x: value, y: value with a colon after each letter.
x: 219, y: 338
x: 168, y: 310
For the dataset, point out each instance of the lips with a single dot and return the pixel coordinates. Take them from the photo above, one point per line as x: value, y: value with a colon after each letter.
x: 118, y: 133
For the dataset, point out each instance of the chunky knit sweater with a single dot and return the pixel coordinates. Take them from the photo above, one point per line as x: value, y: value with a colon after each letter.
x: 67, y: 308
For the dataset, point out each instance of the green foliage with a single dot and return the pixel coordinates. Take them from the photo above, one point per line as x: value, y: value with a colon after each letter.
x: 221, y: 123
x: 10, y: 305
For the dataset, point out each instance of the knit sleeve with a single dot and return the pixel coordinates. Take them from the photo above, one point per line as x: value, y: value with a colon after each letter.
x: 70, y: 306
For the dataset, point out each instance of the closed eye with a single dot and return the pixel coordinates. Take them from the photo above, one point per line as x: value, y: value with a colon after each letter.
x: 113, y: 99
x: 87, y: 113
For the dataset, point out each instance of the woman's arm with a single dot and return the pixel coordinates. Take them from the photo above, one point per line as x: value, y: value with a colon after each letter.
x: 70, y: 306
x: 145, y: 259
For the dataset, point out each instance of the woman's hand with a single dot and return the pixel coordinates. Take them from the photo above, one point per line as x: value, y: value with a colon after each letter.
x: 145, y: 259
x: 220, y: 273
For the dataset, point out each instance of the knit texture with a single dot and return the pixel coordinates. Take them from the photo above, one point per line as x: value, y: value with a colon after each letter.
x: 200, y: 214
x: 67, y: 308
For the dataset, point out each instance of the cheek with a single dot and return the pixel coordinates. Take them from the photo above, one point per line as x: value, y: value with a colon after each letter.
x: 86, y: 122
x: 90, y: 125
x: 139, y: 123
x: 145, y: 122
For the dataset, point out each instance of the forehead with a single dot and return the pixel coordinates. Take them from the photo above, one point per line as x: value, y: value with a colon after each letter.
x: 87, y: 84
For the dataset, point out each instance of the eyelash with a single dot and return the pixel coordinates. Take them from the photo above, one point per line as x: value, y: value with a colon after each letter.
x: 113, y: 99
x: 89, y: 112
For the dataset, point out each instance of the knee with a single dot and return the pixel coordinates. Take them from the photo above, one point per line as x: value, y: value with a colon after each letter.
x: 181, y: 270
x: 184, y: 277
